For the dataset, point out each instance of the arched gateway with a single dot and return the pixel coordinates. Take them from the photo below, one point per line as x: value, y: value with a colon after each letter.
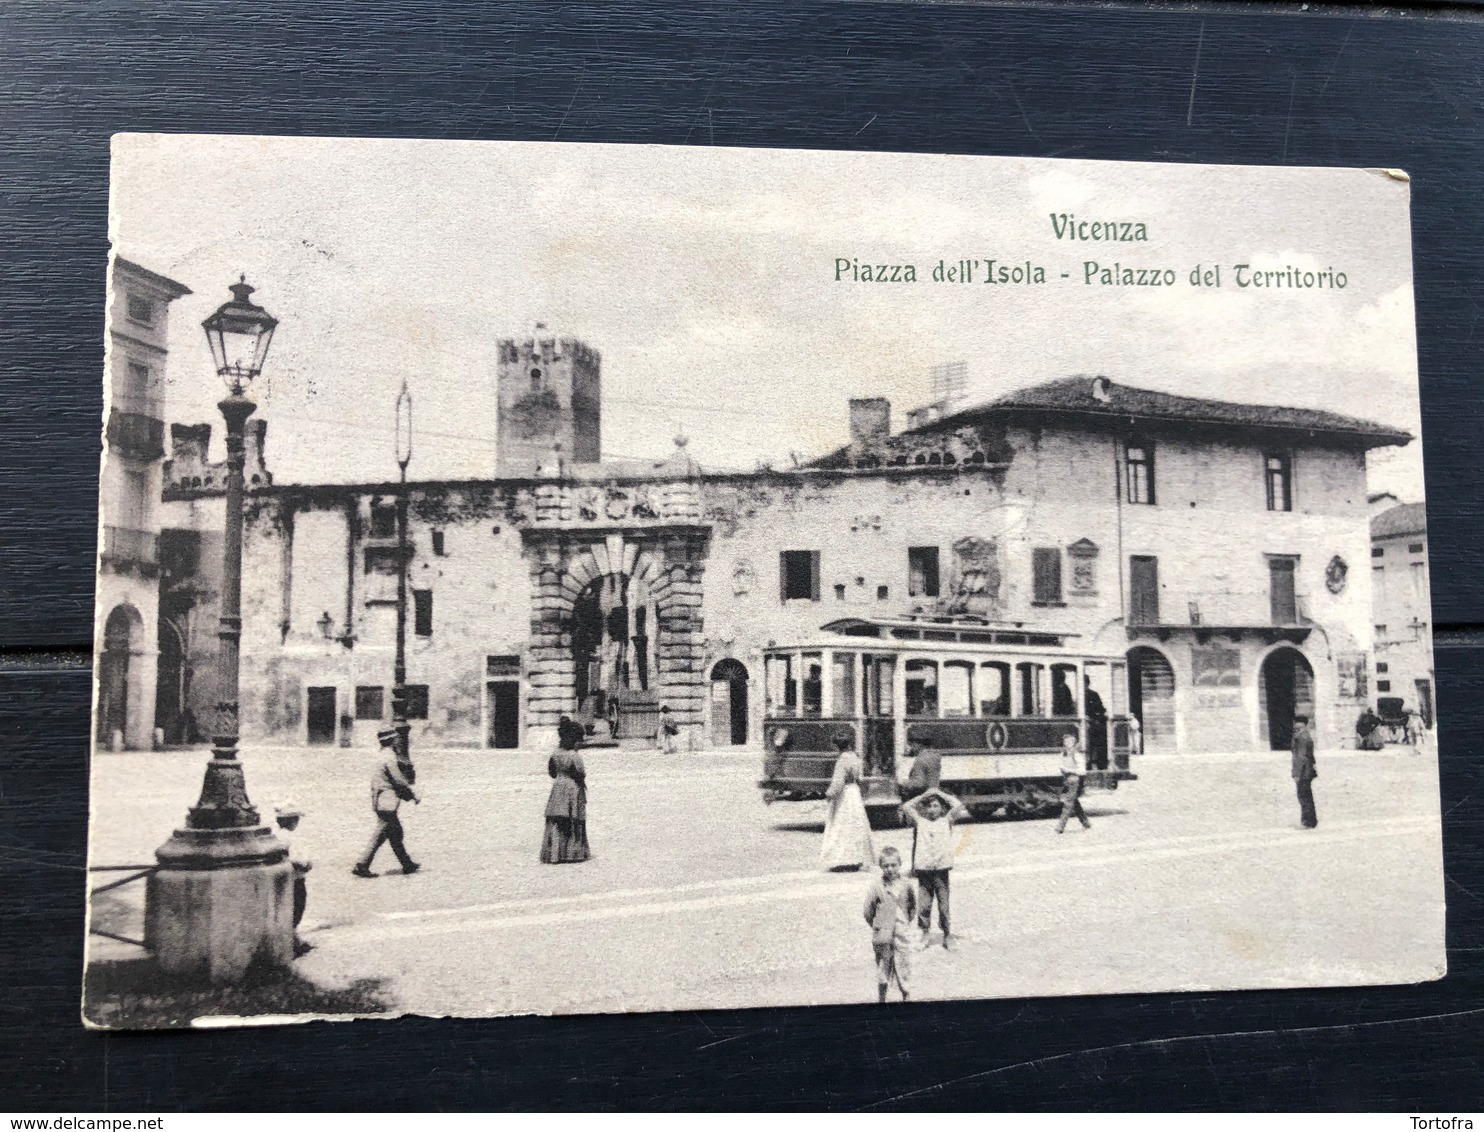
x: 1285, y: 690
x: 729, y: 704
x: 1151, y: 696
x: 616, y: 629
x: 119, y: 690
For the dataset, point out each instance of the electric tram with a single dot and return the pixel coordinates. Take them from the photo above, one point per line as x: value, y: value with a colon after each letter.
x: 993, y: 698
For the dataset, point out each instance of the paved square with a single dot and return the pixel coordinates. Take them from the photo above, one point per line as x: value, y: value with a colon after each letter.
x: 1195, y: 876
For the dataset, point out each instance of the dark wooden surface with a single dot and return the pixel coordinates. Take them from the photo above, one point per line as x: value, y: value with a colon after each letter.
x: 1345, y: 87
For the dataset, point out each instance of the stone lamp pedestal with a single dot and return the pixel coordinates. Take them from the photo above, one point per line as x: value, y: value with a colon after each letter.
x: 222, y: 898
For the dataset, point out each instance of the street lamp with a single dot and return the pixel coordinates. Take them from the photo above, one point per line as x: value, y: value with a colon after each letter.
x: 399, y: 665
x: 222, y: 896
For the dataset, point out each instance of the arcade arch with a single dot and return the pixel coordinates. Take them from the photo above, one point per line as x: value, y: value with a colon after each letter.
x: 118, y: 674
x: 729, y: 703
x: 1151, y: 696
x: 1285, y: 688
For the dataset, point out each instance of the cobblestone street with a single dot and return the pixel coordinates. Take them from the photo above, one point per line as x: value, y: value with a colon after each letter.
x: 1195, y: 876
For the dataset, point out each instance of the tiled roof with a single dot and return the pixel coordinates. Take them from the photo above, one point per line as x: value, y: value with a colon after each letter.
x: 1090, y: 397
x: 1407, y: 519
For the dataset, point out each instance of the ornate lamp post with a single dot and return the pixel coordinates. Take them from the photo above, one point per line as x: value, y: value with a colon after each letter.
x: 222, y: 896
x: 399, y: 665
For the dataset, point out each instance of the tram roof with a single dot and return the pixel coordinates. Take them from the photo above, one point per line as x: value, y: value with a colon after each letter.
x: 910, y: 632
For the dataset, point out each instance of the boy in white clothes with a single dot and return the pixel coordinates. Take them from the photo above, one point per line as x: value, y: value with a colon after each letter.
x: 932, y: 815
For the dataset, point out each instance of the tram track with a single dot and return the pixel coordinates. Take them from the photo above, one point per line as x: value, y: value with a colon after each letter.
x: 734, y: 892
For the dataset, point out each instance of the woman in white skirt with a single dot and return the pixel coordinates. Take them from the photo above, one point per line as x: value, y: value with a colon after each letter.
x: 847, y: 832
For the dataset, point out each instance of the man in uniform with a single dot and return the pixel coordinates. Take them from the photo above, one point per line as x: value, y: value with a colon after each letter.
x: 1305, y: 770
x: 391, y: 785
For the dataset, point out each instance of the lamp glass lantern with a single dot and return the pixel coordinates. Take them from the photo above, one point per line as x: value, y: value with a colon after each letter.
x: 239, y: 333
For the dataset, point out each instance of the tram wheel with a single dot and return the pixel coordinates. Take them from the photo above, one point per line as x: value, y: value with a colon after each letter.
x: 1021, y: 803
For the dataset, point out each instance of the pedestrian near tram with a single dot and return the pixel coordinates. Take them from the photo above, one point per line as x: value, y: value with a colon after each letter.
x: 847, y: 830
x: 927, y: 769
x: 1305, y: 770
x: 1073, y: 770
x: 391, y: 785
x: 932, y: 815
x: 891, y: 911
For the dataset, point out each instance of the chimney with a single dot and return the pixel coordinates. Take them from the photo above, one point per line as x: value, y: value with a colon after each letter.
x: 187, y: 463
x: 870, y: 421
x: 255, y: 471
x: 190, y: 441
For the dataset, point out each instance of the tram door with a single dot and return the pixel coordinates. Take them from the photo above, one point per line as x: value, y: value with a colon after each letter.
x: 878, y: 716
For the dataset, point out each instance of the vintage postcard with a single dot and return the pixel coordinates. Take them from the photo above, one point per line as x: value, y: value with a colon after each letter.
x: 580, y: 578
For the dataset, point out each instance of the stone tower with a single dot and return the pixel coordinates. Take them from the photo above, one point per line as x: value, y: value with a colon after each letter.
x: 550, y: 396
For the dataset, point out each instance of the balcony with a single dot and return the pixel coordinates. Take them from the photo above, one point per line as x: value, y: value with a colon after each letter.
x: 126, y: 549
x: 136, y: 435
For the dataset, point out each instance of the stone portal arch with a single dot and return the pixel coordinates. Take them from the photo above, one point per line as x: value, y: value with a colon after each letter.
x: 664, y: 568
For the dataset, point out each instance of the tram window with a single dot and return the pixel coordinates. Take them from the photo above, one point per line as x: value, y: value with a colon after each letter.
x: 782, y: 697
x: 1120, y: 688
x: 958, y: 689
x: 813, y: 683
x: 994, y: 688
x: 878, y: 677
x: 1030, y: 687
x: 842, y: 692
x: 922, y: 687
x: 1064, y: 689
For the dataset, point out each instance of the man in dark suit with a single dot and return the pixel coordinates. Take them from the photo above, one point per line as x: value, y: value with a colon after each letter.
x: 927, y: 769
x: 1097, y: 729
x: 1305, y: 770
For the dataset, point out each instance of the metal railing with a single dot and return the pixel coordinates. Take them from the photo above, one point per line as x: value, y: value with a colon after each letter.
x: 139, y: 436
x: 125, y: 544
x: 137, y: 872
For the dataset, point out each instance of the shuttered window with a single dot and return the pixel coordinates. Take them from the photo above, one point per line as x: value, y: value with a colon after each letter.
x: 417, y: 701
x: 1143, y: 590
x: 369, y: 702
x: 798, y: 575
x: 922, y: 571
x: 1046, y: 568
x: 1284, y: 600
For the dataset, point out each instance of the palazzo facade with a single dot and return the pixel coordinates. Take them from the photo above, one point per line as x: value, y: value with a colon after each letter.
x: 1219, y: 547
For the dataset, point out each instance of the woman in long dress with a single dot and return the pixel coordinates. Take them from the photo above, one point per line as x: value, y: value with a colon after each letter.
x: 566, y: 808
x: 847, y: 832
